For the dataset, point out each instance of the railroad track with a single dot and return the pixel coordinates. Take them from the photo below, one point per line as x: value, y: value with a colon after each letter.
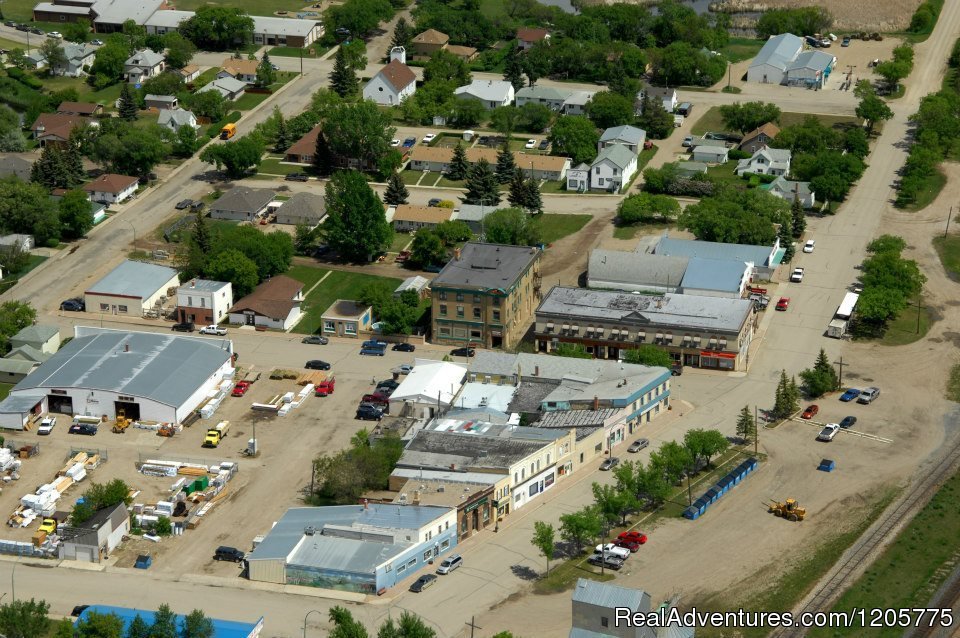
x: 918, y: 495
x: 946, y: 597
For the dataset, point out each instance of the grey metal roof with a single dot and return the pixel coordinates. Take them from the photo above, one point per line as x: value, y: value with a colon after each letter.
x: 415, y: 283
x: 283, y: 26
x: 724, y: 275
x: 476, y: 394
x: 224, y: 86
x: 161, y: 367
x: 625, y: 133
x: 758, y: 255
x: 486, y: 478
x: 159, y: 98
x: 36, y: 333
x: 622, y: 388
x: 693, y: 167
x: 144, y: 57
x: 788, y: 188
x: 20, y: 403
x: 579, y: 98
x: 592, y: 592
x: 474, y: 212
x: 815, y: 60
x: 577, y: 632
x: 343, y: 554
x: 635, y: 269
x: 202, y: 285
x: 179, y: 117
x: 487, y: 266
x: 168, y: 18
x: 779, y: 51
x: 440, y: 450
x: 119, y: 11
x: 539, y: 92
x: 487, y: 414
x: 619, y: 155
x: 539, y: 368
x: 51, y: 7
x: 488, y: 90
x: 577, y: 418
x: 75, y: 51
x: 306, y: 206
x: 133, y: 279
x: 685, y: 312
x: 243, y: 199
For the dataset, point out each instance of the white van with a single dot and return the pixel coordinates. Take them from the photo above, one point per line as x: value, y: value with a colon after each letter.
x: 86, y: 420
x: 450, y: 563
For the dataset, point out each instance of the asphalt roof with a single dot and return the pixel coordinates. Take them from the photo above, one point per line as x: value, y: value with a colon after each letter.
x: 492, y: 90
x: 133, y: 279
x: 144, y: 57
x: 758, y: 255
x: 816, y: 60
x: 779, y: 51
x: 243, y: 199
x: 221, y: 628
x: 469, y: 212
x: 625, y: 133
x: 487, y: 266
x: 161, y: 367
x: 36, y: 333
x: 725, y: 275
x: 539, y: 92
x: 304, y: 205
x: 634, y: 269
x: 788, y: 188
x: 440, y: 450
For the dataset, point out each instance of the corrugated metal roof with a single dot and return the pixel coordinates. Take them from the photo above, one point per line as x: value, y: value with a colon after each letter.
x: 779, y: 51
x: 19, y: 403
x: 814, y: 60
x: 757, y: 255
x: 577, y: 418
x: 592, y: 592
x: 431, y: 381
x: 134, y: 279
x: 634, y: 269
x: 548, y: 367
x: 490, y: 90
x: 722, y: 275
x: 477, y: 394
x: 221, y: 628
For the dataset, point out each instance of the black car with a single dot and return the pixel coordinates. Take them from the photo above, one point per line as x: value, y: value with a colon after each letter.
x: 36, y: 30
x: 316, y: 364
x: 316, y: 340
x: 228, y: 553
x: 10, y: 23
x: 185, y: 326
x: 544, y: 145
x: 848, y: 422
x: 74, y: 305
x: 22, y: 27
x: 369, y: 412
x: 184, y: 204
x: 463, y: 352
x: 297, y: 177
x: 404, y: 347
x: 79, y: 609
x: 388, y: 383
x: 423, y: 582
x: 343, y: 31
x: 434, y: 202
x: 83, y: 428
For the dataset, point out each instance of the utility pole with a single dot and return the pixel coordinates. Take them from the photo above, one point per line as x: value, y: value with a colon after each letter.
x: 473, y: 625
x: 919, y: 297
x: 840, y: 365
x: 689, y: 489
x: 947, y: 229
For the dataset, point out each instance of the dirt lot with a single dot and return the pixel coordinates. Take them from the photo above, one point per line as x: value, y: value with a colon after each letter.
x: 848, y: 15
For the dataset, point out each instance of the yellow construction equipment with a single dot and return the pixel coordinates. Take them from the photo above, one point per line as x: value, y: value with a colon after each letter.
x: 122, y: 422
x: 789, y: 510
x: 166, y: 430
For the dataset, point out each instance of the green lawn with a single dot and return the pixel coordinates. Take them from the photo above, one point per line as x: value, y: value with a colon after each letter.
x: 949, y: 250
x: 644, y: 158
x: 10, y: 281
x: 339, y: 285
x: 554, y: 186
x: 929, y: 191
x: 5, y: 390
x: 253, y: 7
x: 313, y: 51
x: 632, y: 230
x: 726, y: 173
x: 556, y: 227
x: 739, y: 49
x: 953, y: 384
x: 711, y: 121
x: 903, y: 329
x: 205, y: 78
x: 400, y: 241
x: 248, y: 101
x: 272, y: 165
x: 411, y: 177
x: 307, y: 275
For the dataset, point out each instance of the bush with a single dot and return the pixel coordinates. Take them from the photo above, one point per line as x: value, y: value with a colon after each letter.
x: 25, y: 78
x: 925, y: 17
x: 737, y: 154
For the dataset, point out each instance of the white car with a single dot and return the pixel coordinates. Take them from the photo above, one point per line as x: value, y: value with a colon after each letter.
x: 530, y: 144
x: 429, y: 137
x: 808, y: 247
x: 405, y: 368
x: 797, y: 275
x: 394, y: 143
x: 213, y: 330
x: 55, y: 34
x: 612, y: 550
x: 96, y: 43
x: 46, y: 426
x: 827, y: 433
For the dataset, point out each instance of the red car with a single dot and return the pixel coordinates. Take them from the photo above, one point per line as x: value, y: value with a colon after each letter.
x: 241, y: 388
x: 810, y: 412
x: 784, y: 303
x: 633, y: 546
x: 634, y: 536
x: 376, y: 398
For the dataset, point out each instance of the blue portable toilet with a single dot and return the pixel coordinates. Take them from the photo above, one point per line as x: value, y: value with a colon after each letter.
x: 827, y: 465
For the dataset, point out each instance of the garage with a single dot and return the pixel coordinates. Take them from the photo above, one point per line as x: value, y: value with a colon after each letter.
x: 60, y: 403
x: 129, y: 409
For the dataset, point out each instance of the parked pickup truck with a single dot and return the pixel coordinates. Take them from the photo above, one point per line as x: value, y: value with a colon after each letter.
x: 213, y: 330
x: 797, y: 275
x: 325, y: 388
x: 216, y: 434
x: 241, y: 388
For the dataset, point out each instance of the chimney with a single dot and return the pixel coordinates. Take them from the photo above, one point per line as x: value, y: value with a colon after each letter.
x: 456, y: 254
x: 193, y: 283
x: 399, y: 54
x: 596, y: 403
x: 126, y: 347
x: 416, y: 497
x: 366, y: 504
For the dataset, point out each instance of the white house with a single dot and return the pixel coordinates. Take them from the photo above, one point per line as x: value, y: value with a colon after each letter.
x: 613, y: 169
x: 391, y: 85
x: 772, y: 61
x: 667, y: 96
x: 710, y: 154
x: 490, y: 93
x: 111, y: 188
x: 143, y: 64
x: 275, y: 304
x: 766, y: 161
x: 35, y: 61
x: 158, y: 102
x: 243, y: 70
x: 173, y: 119
x: 578, y: 178
x: 204, y: 301
x: 785, y: 189
x: 78, y: 56
x: 132, y: 288
x: 230, y: 88
x: 629, y: 136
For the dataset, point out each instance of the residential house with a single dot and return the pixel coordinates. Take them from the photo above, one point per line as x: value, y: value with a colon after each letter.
x: 291, y: 32
x: 301, y: 151
x: 111, y: 188
x: 243, y: 70
x: 346, y: 318
x: 79, y: 58
x: 490, y: 93
x: 710, y: 154
x: 667, y: 96
x: 811, y: 69
x: 160, y: 101
x: 93, y: 540
x: 35, y: 61
x: 628, y: 136
x: 410, y: 218
x: 418, y: 284
x: 394, y: 83
x: 173, y: 119
x: 770, y: 64
x: 230, y: 88
x: 308, y: 209
x: 132, y: 288
x: 759, y: 137
x: 613, y: 169
x: 142, y: 65
x: 598, y: 609
x: 42, y: 338
x: 766, y: 161
x: 203, y: 301
x: 82, y: 109
x: 473, y: 214
x: 438, y: 158
x: 576, y: 104
x: 19, y: 166
x: 467, y: 54
x: 242, y: 203
x: 428, y: 42
x: 275, y: 303
x: 486, y: 294
x: 578, y: 178
x: 55, y: 128
x: 551, y: 97
x: 791, y: 191
x: 14, y: 370
x: 527, y: 37
x: 189, y: 73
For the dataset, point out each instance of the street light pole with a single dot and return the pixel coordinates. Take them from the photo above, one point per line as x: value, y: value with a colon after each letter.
x: 312, y: 611
x: 134, y: 229
x: 13, y: 582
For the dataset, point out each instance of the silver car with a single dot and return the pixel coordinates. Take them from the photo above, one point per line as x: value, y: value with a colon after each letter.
x: 450, y: 563
x: 869, y: 395
x: 638, y: 445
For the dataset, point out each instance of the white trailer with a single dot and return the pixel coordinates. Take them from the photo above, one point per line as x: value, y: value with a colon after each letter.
x: 838, y: 326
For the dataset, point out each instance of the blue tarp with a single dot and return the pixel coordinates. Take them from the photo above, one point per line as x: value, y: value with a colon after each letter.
x: 221, y: 628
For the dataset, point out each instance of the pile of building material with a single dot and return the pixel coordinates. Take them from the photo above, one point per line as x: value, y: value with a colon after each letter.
x: 155, y: 426
x: 190, y: 498
x: 216, y: 398
x: 312, y: 376
x: 43, y: 502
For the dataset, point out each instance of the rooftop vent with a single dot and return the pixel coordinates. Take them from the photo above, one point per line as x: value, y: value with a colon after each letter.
x: 310, y: 530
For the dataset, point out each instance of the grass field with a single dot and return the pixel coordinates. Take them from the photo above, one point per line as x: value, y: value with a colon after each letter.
x: 711, y: 121
x: 272, y: 166
x: 5, y: 390
x: 307, y: 275
x: 953, y: 384
x: 739, y: 49
x: 339, y: 285
x: 296, y: 52
x: 903, y: 329
x: 949, y: 250
x: 929, y: 191
x: 400, y: 241
x: 556, y: 227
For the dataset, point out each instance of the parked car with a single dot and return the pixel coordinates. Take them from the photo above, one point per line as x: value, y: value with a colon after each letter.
x: 403, y: 347
x: 687, y: 141
x: 848, y: 422
x: 315, y: 340
x: 376, y: 399
x: 197, y: 206
x: 450, y: 563
x: 228, y: 553
x: 403, y: 368
x: 10, y: 23
x: 297, y: 177
x: 183, y: 204
x: 22, y: 27
x: 388, y: 383
x: 828, y: 432
x: 868, y: 396
x: 36, y: 31
x: 369, y: 412
x: 846, y: 41
x: 213, y: 330
x: 810, y: 412
x: 240, y: 388
x: 49, y: 525
x: 83, y: 428
x: 316, y: 364
x: 46, y: 426
x: 434, y: 201
x: 797, y: 275
x: 429, y: 137
x: 184, y: 326
x: 463, y: 352
x: 394, y: 143
x: 850, y: 395
x: 531, y: 143
x: 96, y: 43
x: 638, y: 445
x: 79, y: 609
x: 610, y: 562
x: 685, y: 109
x: 633, y: 535
x: 55, y: 34
x: 423, y: 582
x: 609, y: 464
x: 611, y: 548
x: 633, y: 546
x: 373, y: 352
x: 544, y: 145
x: 809, y: 246
x: 409, y: 142
x: 74, y: 305
x: 783, y: 303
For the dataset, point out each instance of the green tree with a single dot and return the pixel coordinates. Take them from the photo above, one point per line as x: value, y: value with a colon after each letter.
x: 446, y: 67
x: 645, y: 208
x: 265, y: 73
x: 138, y: 628
x: 360, y: 132
x: 356, y: 225
x: 572, y: 350
x: 78, y: 31
x: 482, y: 186
x: 51, y: 169
x: 672, y: 460
x: 505, y: 164
x: 534, y: 117
x: 574, y: 137
x: 513, y: 69
x: 787, y: 397
x: 27, y: 208
x: 544, y: 539
x: 511, y: 226
x: 872, y: 108
x: 185, y: 142
x: 704, y: 444
x: 613, y: 504
x: 56, y: 58
x: 746, y: 425
x: 607, y: 109
x: 201, y: 234
x: 517, y: 195
x: 214, y: 28
x: 343, y: 78
x: 178, y: 50
x: 652, y: 484
x: 235, y: 267
x: 409, y: 626
x: 738, y: 217
x: 749, y: 116
x: 821, y: 378
x: 97, y: 625
x: 127, y: 107
x: 451, y: 232
x: 206, y: 104
x: 396, y: 192
x: 359, y: 17
x: 459, y: 166
x: 196, y: 625
x: 402, y: 34
x: 323, y: 159
x: 798, y: 219
x: 505, y: 120
x: 164, y: 623
x: 581, y: 527
x: 17, y: 58
x: 163, y: 526
x: 132, y: 150
x: 236, y: 157
x: 63, y: 629
x: 534, y: 200
x: 427, y: 249
x: 24, y: 618
x: 649, y: 355
x: 76, y: 214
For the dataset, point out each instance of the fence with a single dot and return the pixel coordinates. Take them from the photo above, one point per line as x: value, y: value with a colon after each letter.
x: 104, y: 457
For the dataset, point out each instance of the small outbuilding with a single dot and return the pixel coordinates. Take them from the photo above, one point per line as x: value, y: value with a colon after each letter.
x: 275, y: 304
x: 345, y: 318
x: 309, y: 209
x: 711, y: 154
x: 132, y: 288
x: 92, y: 541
